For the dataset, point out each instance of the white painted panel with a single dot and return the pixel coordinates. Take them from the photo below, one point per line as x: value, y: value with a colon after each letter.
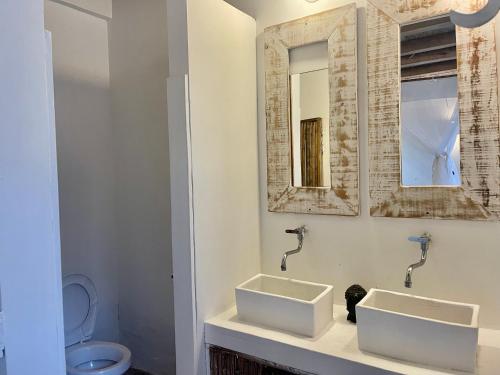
x: 183, y: 256
x: 181, y: 184
x: 29, y: 239
x: 218, y: 51
x: 224, y: 155
x: 3, y: 370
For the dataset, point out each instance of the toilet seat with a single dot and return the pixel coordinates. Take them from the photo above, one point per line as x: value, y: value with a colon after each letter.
x: 84, y: 357
x: 80, y: 308
x: 97, y: 358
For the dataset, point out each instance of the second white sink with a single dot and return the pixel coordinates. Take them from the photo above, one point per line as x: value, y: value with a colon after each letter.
x: 291, y: 305
x: 417, y: 329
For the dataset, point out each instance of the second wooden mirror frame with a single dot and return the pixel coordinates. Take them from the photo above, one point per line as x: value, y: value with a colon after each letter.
x: 478, y: 198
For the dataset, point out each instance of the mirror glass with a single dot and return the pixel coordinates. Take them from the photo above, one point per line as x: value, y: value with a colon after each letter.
x: 310, y: 116
x: 430, y: 124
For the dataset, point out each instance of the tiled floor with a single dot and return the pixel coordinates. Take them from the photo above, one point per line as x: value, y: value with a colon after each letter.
x: 133, y: 371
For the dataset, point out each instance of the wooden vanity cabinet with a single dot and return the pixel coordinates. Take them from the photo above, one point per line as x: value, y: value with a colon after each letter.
x: 227, y: 362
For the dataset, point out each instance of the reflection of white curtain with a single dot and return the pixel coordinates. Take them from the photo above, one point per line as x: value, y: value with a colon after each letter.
x: 430, y: 133
x: 444, y: 168
x: 440, y: 169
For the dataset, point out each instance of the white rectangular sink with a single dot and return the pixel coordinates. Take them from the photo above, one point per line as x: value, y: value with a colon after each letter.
x: 280, y: 303
x: 417, y: 329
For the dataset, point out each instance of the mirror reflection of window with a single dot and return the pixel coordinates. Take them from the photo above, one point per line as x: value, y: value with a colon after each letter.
x: 310, y: 116
x: 430, y: 124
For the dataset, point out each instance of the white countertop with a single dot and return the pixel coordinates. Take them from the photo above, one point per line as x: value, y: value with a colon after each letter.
x: 336, y: 349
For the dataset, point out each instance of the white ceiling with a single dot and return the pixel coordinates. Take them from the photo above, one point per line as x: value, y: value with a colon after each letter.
x: 246, y: 6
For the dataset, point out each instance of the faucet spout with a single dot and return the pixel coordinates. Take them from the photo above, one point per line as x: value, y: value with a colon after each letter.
x: 408, y: 282
x: 283, y: 262
x: 300, y: 236
x: 411, y: 268
x: 424, y: 241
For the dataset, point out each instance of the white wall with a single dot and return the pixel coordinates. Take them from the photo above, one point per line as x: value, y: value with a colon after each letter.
x: 464, y: 257
x: 224, y: 154
x: 85, y: 154
x: 139, y: 68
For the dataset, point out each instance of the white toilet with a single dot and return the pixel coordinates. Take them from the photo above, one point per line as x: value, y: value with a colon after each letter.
x: 84, y: 357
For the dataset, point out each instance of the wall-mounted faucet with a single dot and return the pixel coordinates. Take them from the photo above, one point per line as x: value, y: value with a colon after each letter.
x: 300, y: 236
x: 424, y: 241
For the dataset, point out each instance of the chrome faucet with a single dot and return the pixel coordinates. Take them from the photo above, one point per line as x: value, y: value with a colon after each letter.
x: 300, y: 236
x: 424, y: 241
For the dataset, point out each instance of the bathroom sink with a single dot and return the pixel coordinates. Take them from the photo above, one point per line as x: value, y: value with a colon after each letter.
x: 417, y: 329
x: 280, y: 303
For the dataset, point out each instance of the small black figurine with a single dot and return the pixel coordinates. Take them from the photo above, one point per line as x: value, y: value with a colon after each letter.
x: 353, y: 295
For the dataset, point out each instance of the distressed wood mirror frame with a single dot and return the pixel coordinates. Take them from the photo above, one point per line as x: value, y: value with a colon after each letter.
x: 338, y: 28
x: 478, y: 198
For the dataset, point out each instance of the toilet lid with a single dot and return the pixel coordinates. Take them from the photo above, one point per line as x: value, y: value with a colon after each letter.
x: 80, y: 308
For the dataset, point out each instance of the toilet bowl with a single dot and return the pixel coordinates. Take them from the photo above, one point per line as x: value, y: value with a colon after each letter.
x: 83, y: 356
x: 96, y: 357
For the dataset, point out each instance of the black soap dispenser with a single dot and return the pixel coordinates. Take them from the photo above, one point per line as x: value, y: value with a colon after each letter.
x: 353, y: 295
